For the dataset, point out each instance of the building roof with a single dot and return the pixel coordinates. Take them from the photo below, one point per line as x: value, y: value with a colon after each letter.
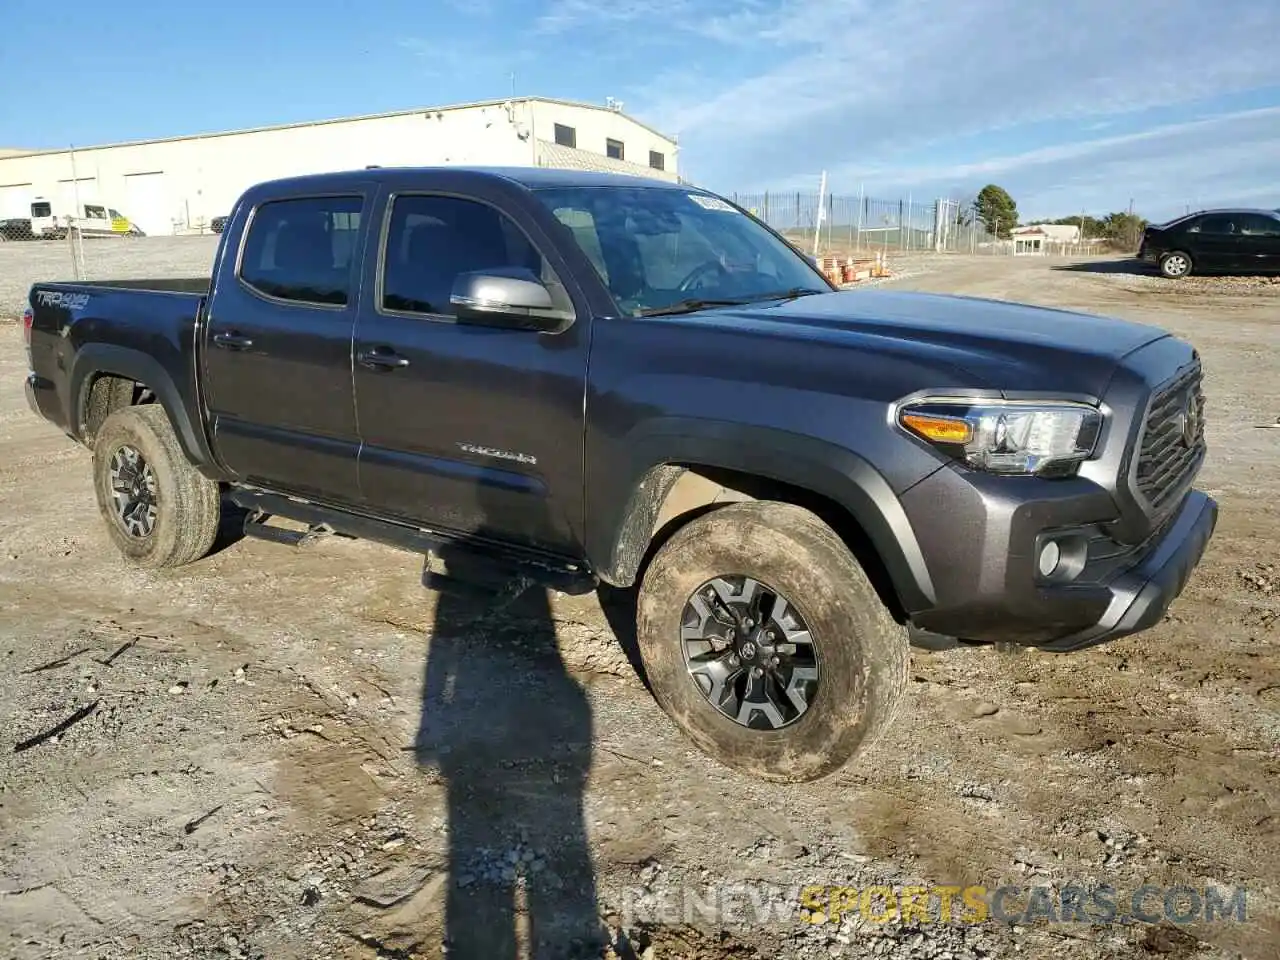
x: 1054, y: 231
x: 331, y: 120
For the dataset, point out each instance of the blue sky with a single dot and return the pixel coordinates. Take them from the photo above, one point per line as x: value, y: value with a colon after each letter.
x: 1071, y: 105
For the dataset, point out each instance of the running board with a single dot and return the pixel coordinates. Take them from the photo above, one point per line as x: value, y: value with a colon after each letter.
x: 449, y: 559
x: 257, y: 525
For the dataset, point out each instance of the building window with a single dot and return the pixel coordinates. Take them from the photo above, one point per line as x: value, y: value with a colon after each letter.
x: 302, y: 249
x: 566, y: 136
x: 614, y: 149
x: 657, y: 160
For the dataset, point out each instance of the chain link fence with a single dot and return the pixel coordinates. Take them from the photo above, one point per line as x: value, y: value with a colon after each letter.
x: 852, y: 225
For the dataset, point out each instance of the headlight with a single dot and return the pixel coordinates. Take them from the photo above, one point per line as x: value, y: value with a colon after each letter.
x: 1007, y: 436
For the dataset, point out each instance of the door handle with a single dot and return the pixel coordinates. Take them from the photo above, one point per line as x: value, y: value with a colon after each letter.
x: 231, y: 340
x: 382, y: 359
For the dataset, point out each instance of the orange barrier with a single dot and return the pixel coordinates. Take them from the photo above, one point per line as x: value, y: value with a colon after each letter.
x: 845, y: 270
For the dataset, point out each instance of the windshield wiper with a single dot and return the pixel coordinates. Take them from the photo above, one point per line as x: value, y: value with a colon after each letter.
x: 688, y: 306
x: 695, y: 303
x: 786, y: 294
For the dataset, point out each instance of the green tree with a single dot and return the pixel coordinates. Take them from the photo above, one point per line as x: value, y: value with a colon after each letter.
x: 1090, y: 226
x: 1120, y: 228
x: 1123, y: 228
x: 997, y: 210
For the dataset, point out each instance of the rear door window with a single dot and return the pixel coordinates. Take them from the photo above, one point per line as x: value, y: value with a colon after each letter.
x: 302, y: 249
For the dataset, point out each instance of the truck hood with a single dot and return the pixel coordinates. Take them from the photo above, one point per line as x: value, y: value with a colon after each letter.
x: 1007, y: 346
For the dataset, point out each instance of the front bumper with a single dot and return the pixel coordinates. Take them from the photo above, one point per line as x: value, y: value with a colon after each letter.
x: 980, y: 537
x: 1141, y: 595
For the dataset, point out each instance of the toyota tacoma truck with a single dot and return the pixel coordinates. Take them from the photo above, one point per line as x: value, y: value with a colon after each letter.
x: 583, y: 379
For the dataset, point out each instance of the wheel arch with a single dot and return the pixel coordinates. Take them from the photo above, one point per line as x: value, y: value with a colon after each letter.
x: 763, y: 464
x: 96, y: 390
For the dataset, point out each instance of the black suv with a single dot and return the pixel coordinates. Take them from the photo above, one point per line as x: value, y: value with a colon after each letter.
x: 1215, y: 241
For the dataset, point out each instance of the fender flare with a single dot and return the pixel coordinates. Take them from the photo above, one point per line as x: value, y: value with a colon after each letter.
x: 660, y: 449
x: 105, y: 359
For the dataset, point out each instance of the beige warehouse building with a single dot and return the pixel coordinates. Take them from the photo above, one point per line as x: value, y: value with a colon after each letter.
x: 177, y: 185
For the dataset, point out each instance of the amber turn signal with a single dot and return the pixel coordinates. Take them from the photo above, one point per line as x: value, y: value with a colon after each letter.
x: 939, y: 429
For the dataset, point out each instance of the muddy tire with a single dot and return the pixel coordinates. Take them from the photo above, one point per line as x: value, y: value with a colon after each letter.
x: 798, y: 688
x: 1175, y: 265
x: 159, y: 510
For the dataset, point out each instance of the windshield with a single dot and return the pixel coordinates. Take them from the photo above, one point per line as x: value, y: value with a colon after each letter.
x: 654, y: 247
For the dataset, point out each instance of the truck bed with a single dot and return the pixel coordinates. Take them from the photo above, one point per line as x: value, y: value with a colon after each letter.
x: 141, y: 330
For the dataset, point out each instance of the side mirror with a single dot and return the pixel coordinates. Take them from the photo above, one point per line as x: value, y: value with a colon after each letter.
x: 510, y: 297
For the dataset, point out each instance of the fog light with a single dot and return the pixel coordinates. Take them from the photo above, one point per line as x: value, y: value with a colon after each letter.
x: 1050, y: 554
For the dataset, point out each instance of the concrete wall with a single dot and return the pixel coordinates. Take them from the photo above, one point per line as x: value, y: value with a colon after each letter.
x: 177, y: 186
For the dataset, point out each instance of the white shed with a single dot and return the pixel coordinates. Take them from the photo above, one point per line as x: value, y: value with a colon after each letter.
x: 1044, y: 237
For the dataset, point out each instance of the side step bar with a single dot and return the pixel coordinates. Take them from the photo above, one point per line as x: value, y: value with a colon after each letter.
x: 448, y: 559
x: 256, y: 525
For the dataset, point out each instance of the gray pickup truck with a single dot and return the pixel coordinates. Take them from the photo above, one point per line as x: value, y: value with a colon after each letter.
x: 588, y: 379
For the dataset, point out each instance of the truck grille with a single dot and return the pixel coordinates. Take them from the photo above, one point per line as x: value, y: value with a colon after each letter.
x: 1172, y: 439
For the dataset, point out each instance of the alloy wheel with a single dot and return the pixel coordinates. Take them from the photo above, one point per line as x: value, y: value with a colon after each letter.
x: 750, y: 652
x: 135, y: 492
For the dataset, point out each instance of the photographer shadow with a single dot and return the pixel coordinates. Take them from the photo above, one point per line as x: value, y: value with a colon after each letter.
x: 509, y: 731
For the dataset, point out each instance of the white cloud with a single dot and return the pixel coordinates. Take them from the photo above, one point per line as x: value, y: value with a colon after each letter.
x: 566, y: 15
x: 1222, y: 160
x: 827, y: 82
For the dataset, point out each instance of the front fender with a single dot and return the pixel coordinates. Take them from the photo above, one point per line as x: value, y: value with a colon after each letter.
x: 631, y: 494
x: 94, y: 359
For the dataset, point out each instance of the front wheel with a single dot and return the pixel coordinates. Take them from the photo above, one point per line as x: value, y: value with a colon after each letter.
x: 160, y: 511
x: 766, y: 643
x: 1175, y: 265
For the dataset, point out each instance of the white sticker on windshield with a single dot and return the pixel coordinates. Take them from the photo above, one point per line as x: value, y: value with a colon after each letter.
x: 710, y: 203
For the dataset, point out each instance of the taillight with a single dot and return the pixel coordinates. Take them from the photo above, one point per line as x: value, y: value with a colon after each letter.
x: 27, y: 319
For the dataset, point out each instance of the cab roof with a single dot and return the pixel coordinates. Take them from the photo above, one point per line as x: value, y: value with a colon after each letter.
x: 529, y: 177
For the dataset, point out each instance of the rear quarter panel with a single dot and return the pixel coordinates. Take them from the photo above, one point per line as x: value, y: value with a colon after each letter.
x: 81, y: 331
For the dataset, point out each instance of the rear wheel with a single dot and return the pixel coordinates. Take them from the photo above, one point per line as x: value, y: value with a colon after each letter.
x: 159, y: 510
x: 765, y: 642
x: 1175, y: 265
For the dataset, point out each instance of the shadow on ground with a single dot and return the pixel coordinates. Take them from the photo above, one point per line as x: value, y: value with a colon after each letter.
x: 1131, y: 266
x: 509, y: 732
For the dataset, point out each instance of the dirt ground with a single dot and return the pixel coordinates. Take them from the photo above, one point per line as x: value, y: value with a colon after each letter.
x: 301, y: 752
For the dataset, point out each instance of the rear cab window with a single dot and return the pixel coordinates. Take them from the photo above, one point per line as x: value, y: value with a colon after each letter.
x: 301, y: 250
x: 41, y: 209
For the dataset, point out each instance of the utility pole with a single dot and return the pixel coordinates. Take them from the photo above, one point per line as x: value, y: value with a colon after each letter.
x: 817, y: 227
x: 73, y: 222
